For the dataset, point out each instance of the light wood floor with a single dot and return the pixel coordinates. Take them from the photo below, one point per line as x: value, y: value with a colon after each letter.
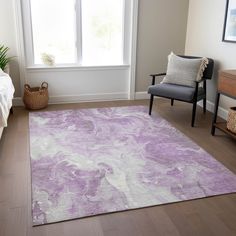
x: 209, y: 216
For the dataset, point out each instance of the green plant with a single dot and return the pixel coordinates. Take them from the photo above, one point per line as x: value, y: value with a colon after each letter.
x: 4, y: 59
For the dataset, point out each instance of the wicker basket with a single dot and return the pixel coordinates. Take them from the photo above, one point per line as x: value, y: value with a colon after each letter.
x: 231, y: 122
x: 36, y: 97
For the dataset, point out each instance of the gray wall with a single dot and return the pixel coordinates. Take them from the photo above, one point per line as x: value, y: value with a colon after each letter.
x: 204, y: 37
x: 162, y: 29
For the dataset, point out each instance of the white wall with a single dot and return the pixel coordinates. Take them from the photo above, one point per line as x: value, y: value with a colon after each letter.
x: 74, y: 84
x: 162, y: 29
x: 8, y: 38
x: 204, y: 38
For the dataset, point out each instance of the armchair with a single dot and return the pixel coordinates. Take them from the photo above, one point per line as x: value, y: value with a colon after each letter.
x: 180, y: 92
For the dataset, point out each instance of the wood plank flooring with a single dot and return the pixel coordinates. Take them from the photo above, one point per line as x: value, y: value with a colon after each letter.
x: 209, y: 216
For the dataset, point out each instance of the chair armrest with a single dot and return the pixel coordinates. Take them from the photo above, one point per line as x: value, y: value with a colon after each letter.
x: 155, y: 75
x: 160, y: 74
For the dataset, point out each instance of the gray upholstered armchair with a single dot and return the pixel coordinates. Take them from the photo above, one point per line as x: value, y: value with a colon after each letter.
x: 180, y: 92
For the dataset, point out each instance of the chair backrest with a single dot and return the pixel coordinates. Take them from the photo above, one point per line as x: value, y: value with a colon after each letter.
x: 208, y: 72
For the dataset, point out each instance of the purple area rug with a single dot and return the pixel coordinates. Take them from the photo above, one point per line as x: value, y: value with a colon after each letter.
x: 93, y: 161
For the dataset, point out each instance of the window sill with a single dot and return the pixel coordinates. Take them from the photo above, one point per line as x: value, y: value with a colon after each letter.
x: 68, y: 68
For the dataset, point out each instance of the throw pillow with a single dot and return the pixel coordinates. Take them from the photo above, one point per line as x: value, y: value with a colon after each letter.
x: 184, y: 71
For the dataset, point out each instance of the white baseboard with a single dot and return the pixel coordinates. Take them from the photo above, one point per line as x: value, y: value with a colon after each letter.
x: 88, y: 98
x: 141, y: 95
x: 223, y: 113
x: 79, y: 98
x: 17, y: 102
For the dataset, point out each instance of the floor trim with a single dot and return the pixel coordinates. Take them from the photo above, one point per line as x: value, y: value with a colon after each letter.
x: 79, y: 98
x: 223, y: 113
x: 141, y: 95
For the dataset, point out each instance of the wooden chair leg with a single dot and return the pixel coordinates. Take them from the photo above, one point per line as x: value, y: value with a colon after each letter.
x: 150, y: 104
x: 194, y: 113
x: 172, y: 102
x: 204, y: 105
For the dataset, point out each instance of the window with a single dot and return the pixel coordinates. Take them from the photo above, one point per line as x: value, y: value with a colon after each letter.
x: 102, y: 26
x: 84, y: 32
x: 53, y: 30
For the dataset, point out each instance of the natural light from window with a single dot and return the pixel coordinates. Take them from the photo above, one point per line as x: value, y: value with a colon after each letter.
x: 95, y: 39
x: 102, y: 31
x: 53, y: 25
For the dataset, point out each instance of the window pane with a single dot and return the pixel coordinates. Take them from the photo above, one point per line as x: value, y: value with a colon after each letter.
x: 53, y: 26
x: 102, y: 32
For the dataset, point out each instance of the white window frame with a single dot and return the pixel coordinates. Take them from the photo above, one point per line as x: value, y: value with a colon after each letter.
x: 130, y: 47
x: 28, y: 36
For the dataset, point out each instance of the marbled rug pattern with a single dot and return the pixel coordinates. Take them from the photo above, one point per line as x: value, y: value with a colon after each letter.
x: 92, y: 161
